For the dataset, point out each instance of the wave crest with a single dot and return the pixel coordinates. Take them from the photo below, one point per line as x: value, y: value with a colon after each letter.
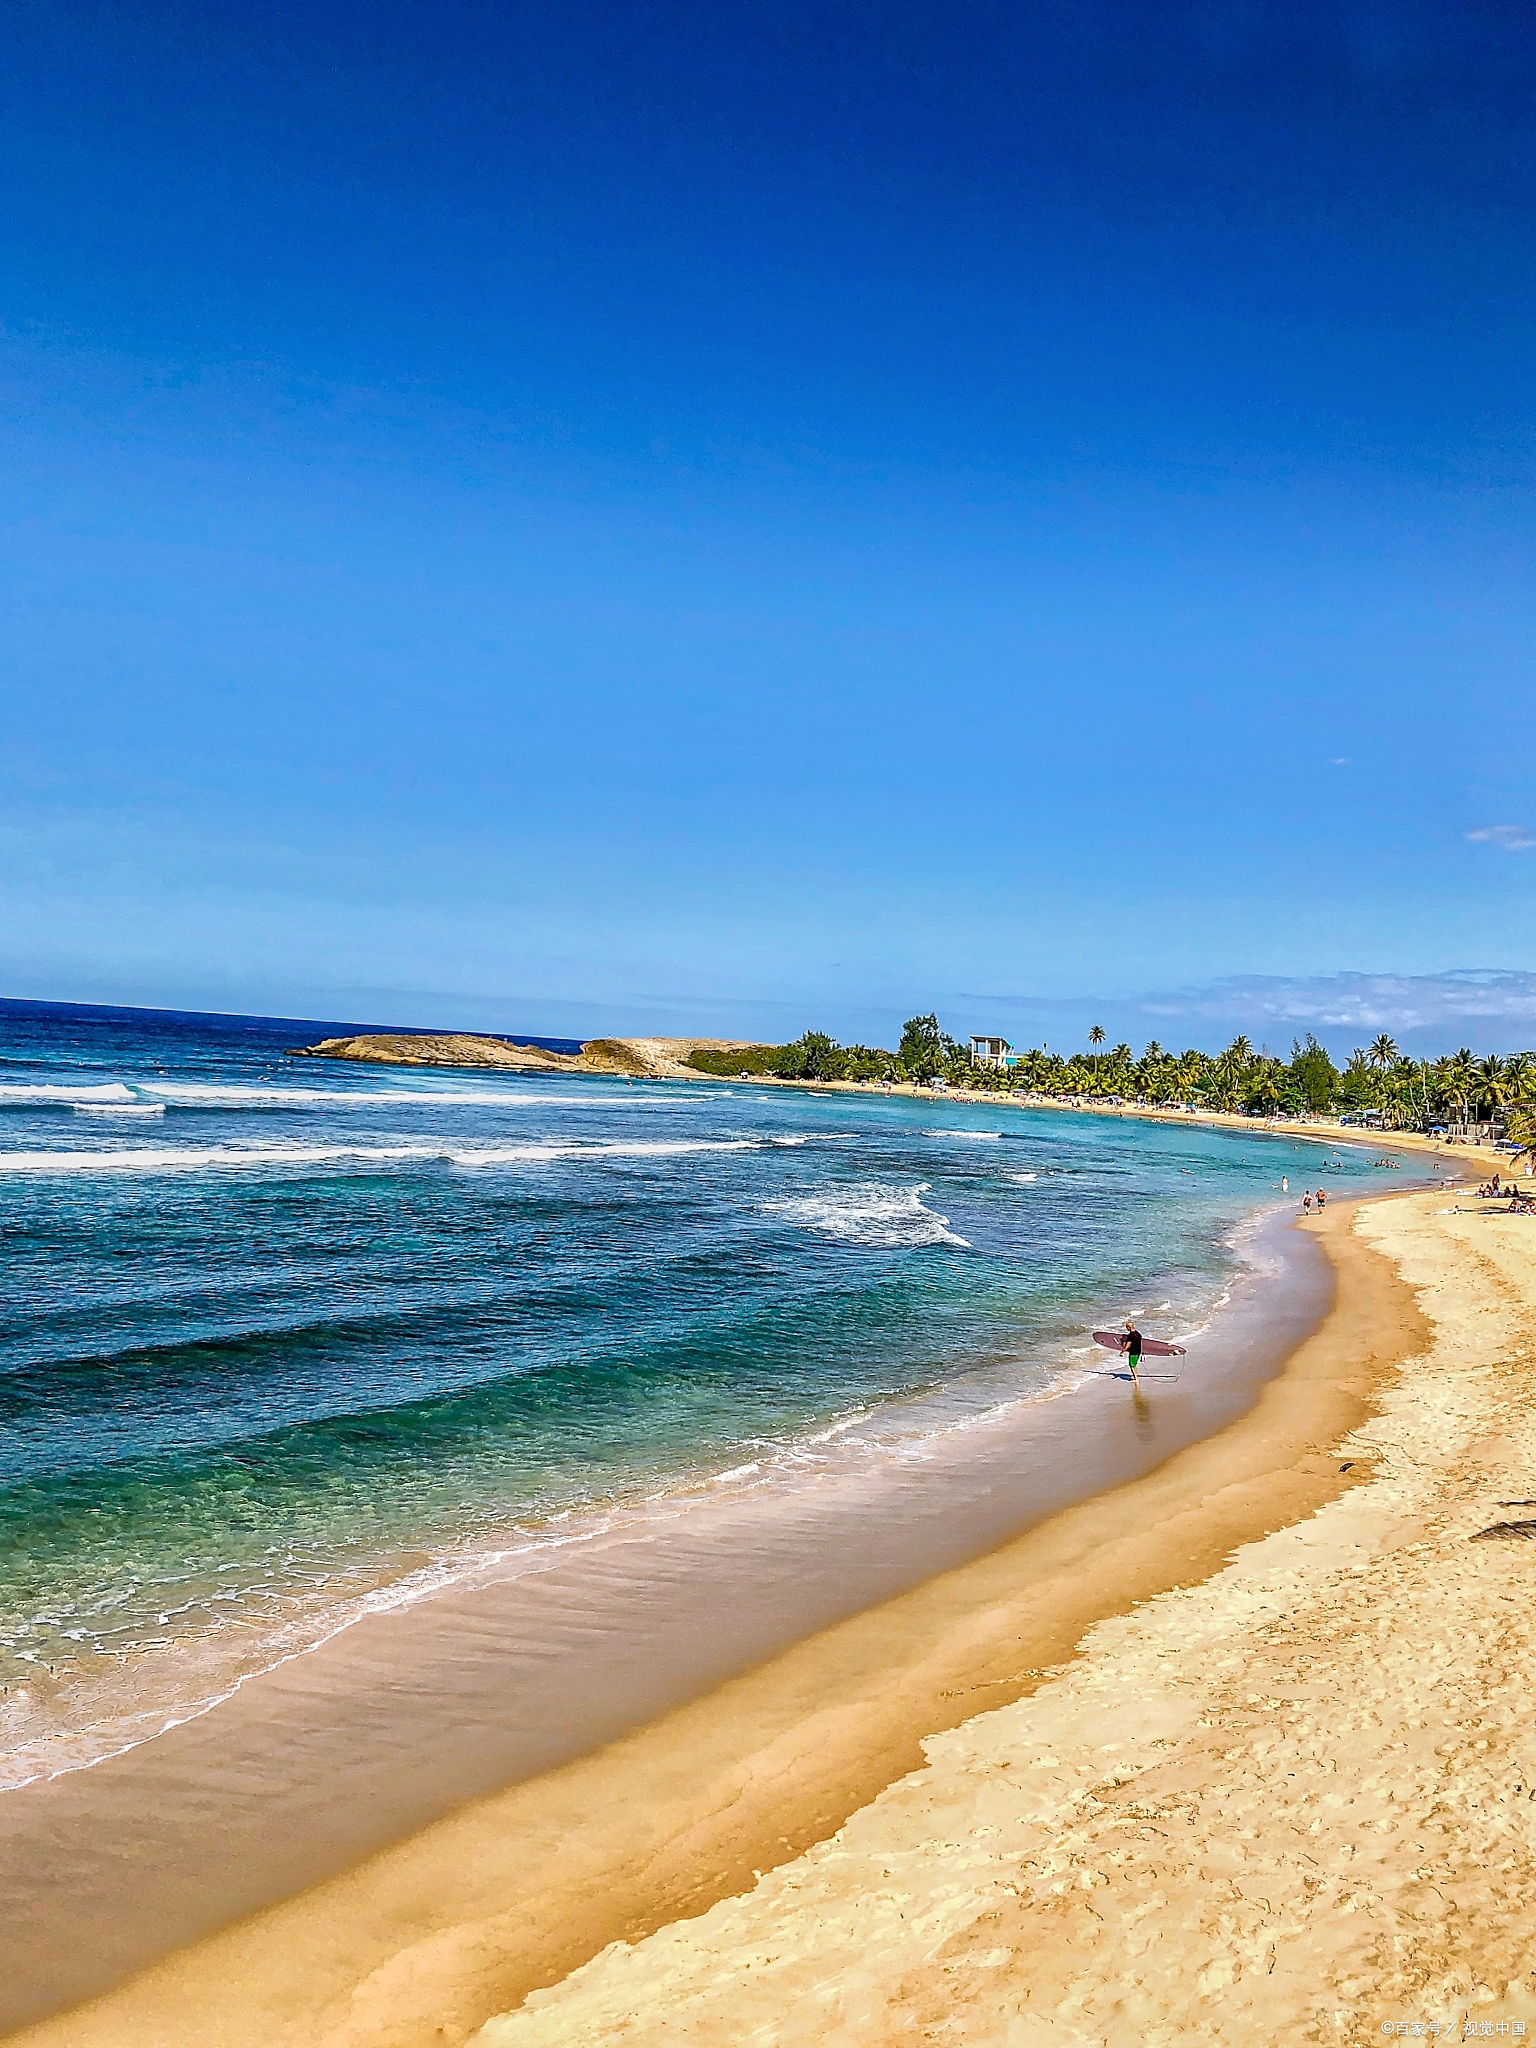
x: 216, y: 1158
x: 28, y: 1095
x: 871, y: 1213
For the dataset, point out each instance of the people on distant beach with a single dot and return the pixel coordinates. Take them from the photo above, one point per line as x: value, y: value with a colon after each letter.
x: 1285, y: 1183
x: 1306, y: 1203
x: 1322, y: 1200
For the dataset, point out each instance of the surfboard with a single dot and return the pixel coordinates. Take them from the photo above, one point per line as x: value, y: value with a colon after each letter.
x: 1151, y: 1347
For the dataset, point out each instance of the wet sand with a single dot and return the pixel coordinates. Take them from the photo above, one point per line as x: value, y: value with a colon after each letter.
x: 429, y: 1937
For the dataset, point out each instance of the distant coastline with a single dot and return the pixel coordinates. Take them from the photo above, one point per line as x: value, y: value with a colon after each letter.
x: 677, y: 1059
x: 1379, y: 1090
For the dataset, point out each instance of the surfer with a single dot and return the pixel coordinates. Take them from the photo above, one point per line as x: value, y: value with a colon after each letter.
x: 1133, y: 1342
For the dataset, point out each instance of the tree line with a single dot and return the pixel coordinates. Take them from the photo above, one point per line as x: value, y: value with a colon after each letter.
x: 1407, y: 1094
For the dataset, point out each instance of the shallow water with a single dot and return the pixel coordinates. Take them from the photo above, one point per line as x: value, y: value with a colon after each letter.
x: 546, y: 1654
x: 288, y: 1341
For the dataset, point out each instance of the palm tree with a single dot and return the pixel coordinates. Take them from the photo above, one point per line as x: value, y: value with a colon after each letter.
x: 1383, y: 1050
x: 1221, y: 1090
x: 1458, y: 1080
x: 1489, y: 1084
x: 1264, y: 1095
x: 1406, y: 1077
x: 1096, y: 1036
x: 1397, y: 1096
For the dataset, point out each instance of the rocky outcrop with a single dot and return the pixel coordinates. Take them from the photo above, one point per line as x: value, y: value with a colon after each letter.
x: 661, y: 1059
x: 652, y: 1059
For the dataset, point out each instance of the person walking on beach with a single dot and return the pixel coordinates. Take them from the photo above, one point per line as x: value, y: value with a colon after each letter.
x: 1322, y: 1201
x: 1306, y: 1203
x: 1133, y: 1342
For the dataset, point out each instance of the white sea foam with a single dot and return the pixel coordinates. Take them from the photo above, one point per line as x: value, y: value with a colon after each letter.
x: 1022, y: 1177
x: 197, y: 1095
x: 26, y: 1095
x: 195, y: 1158
x: 411, y: 1094
x: 216, y: 1158
x: 118, y: 1108
x: 835, y: 1429
x: 871, y: 1213
x: 639, y: 1148
x: 995, y: 1136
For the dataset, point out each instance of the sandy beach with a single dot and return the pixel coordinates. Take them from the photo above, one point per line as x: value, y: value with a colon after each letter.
x: 1250, y: 1711
x: 767, y: 1070
x: 1293, y: 1801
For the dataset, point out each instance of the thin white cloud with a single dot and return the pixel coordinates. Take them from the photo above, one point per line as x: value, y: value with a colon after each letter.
x: 1363, y: 1002
x: 1513, y: 838
x: 1492, y: 1009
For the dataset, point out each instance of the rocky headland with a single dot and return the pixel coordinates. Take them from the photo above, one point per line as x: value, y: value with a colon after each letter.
x: 649, y: 1059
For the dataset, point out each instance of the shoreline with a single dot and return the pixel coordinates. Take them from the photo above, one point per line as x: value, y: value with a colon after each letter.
x: 440, y: 1931
x: 1292, y: 1800
x: 672, y: 1068
x: 1318, y: 1132
x: 1246, y: 1356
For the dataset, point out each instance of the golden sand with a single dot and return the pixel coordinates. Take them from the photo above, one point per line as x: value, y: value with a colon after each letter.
x: 1294, y: 1802
x: 427, y: 1941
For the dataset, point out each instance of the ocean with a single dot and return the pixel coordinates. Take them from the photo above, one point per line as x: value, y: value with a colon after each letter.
x: 287, y: 1342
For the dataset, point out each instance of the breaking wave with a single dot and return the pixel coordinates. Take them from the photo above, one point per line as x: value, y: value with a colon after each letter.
x: 871, y: 1214
x: 218, y: 1158
x: 156, y: 1095
x: 20, y: 1095
x: 407, y: 1094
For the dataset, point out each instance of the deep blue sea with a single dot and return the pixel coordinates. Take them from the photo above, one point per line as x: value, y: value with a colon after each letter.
x: 283, y: 1337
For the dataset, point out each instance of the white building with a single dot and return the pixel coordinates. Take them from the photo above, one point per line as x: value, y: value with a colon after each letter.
x: 989, y: 1052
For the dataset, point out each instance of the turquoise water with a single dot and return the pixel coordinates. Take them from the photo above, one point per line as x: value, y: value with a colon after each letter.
x: 283, y: 1337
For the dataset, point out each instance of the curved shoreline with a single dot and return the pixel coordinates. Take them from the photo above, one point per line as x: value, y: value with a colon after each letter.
x: 430, y: 1937
x: 1251, y: 1347
x: 1290, y: 1801
x: 666, y: 1066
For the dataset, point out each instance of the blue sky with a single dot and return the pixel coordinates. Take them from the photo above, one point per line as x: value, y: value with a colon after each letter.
x: 645, y: 517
